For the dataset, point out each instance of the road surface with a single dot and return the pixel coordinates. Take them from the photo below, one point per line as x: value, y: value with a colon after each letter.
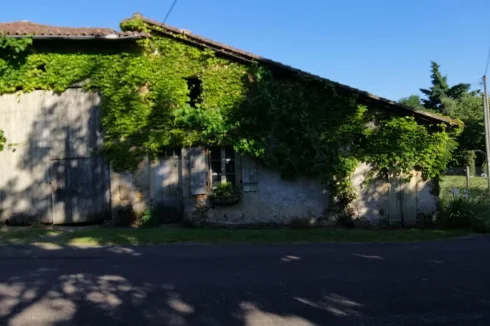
x: 432, y: 283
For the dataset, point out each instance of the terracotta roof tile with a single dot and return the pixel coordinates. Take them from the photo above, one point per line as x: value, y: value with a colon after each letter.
x: 25, y: 28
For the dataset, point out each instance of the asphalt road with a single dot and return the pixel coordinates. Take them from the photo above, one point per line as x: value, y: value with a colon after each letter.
x: 436, y: 283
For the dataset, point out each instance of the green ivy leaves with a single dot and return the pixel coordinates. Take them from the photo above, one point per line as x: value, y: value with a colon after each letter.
x: 3, y: 140
x: 293, y: 123
x: 401, y: 145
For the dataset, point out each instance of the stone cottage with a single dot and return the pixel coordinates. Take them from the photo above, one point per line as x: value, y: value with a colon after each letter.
x: 53, y: 171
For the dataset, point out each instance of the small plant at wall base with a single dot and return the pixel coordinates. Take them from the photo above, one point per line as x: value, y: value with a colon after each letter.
x: 148, y: 219
x: 225, y: 194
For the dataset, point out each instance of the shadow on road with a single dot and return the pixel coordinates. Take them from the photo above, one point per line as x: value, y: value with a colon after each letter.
x: 121, y: 285
x: 242, y: 285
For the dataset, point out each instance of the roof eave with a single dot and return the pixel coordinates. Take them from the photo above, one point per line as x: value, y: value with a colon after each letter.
x: 249, y: 57
x: 73, y: 37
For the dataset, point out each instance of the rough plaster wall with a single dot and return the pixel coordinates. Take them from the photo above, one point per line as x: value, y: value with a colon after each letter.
x: 372, y: 200
x: 426, y: 201
x: 153, y: 183
x: 276, y: 201
x: 131, y: 188
x: 381, y: 199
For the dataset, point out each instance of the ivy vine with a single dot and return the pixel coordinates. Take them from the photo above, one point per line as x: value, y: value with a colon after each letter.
x: 296, y: 124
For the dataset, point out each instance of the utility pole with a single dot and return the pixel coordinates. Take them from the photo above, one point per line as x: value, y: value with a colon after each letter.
x: 487, y: 127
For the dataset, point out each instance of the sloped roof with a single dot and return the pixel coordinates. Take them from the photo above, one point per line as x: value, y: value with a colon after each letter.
x: 235, y: 53
x: 40, y: 31
x: 25, y: 28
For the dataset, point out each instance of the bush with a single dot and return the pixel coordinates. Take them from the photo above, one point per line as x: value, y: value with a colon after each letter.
x: 148, y: 219
x: 463, y: 209
x: 224, y: 189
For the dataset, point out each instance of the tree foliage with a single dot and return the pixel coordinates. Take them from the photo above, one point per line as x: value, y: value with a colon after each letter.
x: 403, y: 145
x: 469, y: 109
x: 440, y: 91
x: 458, y: 102
x: 412, y: 101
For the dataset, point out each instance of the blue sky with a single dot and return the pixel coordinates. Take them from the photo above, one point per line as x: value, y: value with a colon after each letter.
x: 381, y: 46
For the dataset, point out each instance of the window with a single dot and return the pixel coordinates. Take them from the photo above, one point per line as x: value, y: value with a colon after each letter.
x: 194, y: 87
x: 230, y: 165
x: 171, y: 152
x: 222, y: 165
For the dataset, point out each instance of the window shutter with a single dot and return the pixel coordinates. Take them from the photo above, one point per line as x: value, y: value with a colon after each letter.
x: 249, y: 174
x: 198, y: 171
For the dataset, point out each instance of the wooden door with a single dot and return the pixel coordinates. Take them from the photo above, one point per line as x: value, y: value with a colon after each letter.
x: 80, y: 190
x: 403, y: 200
x: 165, y: 183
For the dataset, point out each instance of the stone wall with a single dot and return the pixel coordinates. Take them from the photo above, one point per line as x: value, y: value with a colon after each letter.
x: 275, y: 201
x: 156, y: 184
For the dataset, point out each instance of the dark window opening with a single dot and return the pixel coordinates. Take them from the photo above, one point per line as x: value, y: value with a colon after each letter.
x: 42, y: 67
x: 194, y: 87
x: 216, y: 165
x: 171, y: 152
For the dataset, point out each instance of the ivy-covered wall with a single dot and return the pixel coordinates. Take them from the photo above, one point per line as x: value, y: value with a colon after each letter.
x: 294, y: 123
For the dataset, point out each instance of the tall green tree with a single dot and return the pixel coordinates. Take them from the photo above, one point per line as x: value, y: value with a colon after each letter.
x: 440, y: 92
x: 469, y: 109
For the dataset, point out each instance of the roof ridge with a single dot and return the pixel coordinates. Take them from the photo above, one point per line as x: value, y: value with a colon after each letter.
x: 27, y: 22
x: 40, y: 31
x: 36, y: 30
x: 244, y: 55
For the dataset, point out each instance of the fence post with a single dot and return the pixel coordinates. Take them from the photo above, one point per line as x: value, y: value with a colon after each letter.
x: 467, y: 177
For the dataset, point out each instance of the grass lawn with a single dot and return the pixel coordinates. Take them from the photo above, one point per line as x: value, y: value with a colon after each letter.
x: 457, y: 181
x: 108, y: 236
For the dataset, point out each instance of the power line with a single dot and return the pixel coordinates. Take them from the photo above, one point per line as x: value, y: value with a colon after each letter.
x: 173, y: 5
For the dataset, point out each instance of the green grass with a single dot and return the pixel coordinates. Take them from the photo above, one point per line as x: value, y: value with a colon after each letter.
x: 458, y: 181
x: 24, y: 235
x: 161, y: 236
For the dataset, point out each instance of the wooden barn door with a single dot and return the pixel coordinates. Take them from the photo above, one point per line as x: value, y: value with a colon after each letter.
x: 80, y: 190
x: 403, y: 201
x: 78, y: 174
